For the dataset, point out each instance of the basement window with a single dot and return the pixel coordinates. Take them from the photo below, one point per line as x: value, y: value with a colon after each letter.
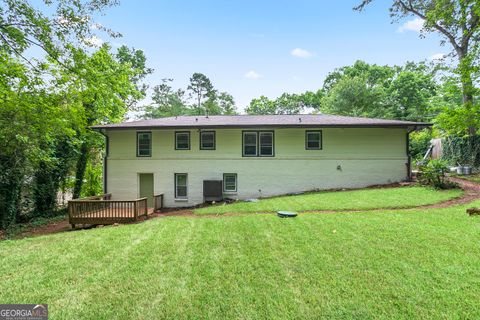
x: 182, y: 140
x: 144, y: 144
x: 229, y: 182
x: 313, y: 140
x: 207, y: 140
x: 181, y: 185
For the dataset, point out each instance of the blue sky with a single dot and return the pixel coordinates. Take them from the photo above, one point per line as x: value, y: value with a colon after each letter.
x: 249, y: 48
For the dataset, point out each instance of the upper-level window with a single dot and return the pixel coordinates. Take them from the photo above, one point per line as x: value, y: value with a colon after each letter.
x: 258, y: 143
x: 144, y: 144
x: 250, y: 144
x: 207, y: 140
x: 182, y: 140
x: 313, y: 140
x: 266, y: 144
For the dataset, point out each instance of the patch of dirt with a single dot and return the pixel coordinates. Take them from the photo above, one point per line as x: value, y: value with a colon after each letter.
x: 471, y: 193
x: 54, y: 227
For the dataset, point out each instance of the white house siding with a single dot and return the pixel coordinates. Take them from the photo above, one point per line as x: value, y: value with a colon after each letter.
x: 367, y: 156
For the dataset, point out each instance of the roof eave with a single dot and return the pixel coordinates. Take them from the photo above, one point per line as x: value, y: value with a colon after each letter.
x: 411, y: 126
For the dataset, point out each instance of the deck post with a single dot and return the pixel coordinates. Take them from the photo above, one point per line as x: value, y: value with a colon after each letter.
x: 135, y: 210
x: 146, y: 208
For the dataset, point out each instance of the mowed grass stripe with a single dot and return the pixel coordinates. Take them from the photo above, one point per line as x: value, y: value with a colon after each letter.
x: 400, y: 197
x: 412, y: 264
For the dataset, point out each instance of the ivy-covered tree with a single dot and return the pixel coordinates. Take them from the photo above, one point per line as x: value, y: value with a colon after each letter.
x: 102, y: 87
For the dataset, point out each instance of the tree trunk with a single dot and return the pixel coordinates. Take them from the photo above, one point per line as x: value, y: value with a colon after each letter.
x: 465, y: 69
x: 80, y: 170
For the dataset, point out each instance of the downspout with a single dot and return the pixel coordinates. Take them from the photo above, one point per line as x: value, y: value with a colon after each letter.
x: 105, y: 161
x: 407, y: 149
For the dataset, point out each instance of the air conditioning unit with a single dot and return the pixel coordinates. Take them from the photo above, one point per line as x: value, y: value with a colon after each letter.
x: 212, y: 190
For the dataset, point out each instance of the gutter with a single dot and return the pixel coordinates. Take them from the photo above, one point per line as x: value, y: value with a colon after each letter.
x: 411, y: 127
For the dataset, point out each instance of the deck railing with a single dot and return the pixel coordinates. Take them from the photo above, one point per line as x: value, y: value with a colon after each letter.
x: 102, y: 210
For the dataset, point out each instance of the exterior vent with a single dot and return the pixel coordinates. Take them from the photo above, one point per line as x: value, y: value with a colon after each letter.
x: 212, y: 190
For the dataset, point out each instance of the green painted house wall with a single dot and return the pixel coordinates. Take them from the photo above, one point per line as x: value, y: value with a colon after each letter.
x: 366, y: 156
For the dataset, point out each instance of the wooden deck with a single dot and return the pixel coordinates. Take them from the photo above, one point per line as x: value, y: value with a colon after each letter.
x: 103, y: 210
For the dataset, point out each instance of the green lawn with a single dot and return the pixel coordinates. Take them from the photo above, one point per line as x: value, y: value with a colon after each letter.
x: 402, y: 197
x: 422, y: 264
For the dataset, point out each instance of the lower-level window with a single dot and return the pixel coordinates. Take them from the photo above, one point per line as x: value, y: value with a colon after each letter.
x: 181, y: 185
x: 229, y: 182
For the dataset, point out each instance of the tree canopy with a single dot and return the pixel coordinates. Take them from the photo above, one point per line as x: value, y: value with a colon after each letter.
x: 200, y: 98
x: 458, y: 23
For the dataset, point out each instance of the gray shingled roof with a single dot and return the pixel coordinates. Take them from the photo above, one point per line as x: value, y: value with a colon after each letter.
x: 259, y: 121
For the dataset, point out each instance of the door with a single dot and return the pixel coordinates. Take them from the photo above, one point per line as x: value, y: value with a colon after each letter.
x: 146, y: 187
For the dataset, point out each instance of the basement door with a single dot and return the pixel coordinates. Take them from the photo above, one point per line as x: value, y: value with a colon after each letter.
x: 146, y: 187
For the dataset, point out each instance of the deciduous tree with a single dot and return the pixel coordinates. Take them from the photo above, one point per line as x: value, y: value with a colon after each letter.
x: 458, y: 23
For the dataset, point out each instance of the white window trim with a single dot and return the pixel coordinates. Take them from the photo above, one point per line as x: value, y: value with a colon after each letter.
x: 236, y: 183
x: 182, y: 198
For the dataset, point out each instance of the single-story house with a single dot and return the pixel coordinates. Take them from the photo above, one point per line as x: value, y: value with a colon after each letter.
x: 251, y: 156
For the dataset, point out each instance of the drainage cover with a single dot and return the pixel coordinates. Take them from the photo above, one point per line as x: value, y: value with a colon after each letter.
x: 286, y: 214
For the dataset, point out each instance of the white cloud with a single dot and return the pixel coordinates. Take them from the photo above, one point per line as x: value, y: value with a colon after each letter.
x: 117, y: 44
x: 93, y: 41
x: 301, y: 53
x: 437, y: 56
x: 252, y: 75
x: 412, y: 25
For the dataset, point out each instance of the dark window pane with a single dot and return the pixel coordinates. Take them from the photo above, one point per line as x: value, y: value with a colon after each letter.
x: 230, y: 182
x: 314, y: 140
x: 313, y: 144
x: 266, y: 138
x: 207, y: 140
x: 182, y: 140
x: 250, y: 138
x: 181, y: 191
x: 144, y: 144
x: 266, y: 151
x: 250, y: 150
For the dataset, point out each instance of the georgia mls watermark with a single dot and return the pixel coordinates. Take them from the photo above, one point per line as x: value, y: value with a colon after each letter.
x: 23, y: 312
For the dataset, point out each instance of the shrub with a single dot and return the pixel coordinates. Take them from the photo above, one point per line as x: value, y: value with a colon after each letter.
x: 433, y: 175
x: 419, y: 144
